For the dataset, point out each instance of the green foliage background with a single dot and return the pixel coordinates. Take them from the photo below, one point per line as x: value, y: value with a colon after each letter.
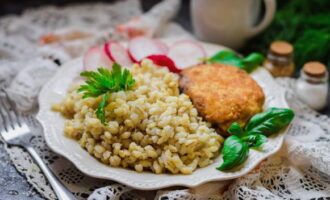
x: 305, y: 24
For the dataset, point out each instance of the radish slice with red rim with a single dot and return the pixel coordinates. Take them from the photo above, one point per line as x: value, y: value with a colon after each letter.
x: 117, y: 53
x: 186, y: 53
x: 95, y: 58
x: 164, y: 61
x: 141, y: 47
x: 162, y: 46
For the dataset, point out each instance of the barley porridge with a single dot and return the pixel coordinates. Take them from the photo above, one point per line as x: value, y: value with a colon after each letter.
x: 149, y: 128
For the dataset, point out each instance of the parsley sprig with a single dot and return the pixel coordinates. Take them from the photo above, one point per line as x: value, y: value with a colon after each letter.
x: 103, y: 82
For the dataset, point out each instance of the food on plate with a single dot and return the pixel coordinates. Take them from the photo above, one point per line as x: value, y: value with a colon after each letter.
x: 249, y: 63
x: 136, y: 118
x: 186, y: 53
x: 117, y: 53
x: 181, y: 55
x: 162, y: 46
x: 104, y: 82
x: 269, y: 122
x: 222, y: 94
x: 234, y: 152
x: 94, y: 58
x: 150, y: 127
x: 164, y: 61
x: 141, y: 47
x: 236, y: 147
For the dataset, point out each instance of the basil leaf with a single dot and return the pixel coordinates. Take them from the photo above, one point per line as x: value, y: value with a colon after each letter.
x: 236, y: 129
x: 252, y: 61
x: 234, y: 151
x: 223, y: 55
x: 226, y: 57
x: 233, y: 62
x: 269, y: 122
x: 255, y: 140
x: 230, y: 58
x: 100, y: 112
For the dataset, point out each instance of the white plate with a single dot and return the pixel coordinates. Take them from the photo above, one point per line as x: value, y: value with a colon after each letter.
x: 53, y: 124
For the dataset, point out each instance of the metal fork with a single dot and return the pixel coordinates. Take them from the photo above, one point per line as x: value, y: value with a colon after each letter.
x: 15, y: 131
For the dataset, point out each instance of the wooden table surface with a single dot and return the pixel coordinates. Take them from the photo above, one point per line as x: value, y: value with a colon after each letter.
x: 12, y: 184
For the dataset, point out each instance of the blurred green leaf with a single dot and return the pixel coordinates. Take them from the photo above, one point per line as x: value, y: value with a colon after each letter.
x: 303, y: 23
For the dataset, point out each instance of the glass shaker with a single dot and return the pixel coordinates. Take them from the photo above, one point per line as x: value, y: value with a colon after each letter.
x: 312, y: 85
x: 279, y: 59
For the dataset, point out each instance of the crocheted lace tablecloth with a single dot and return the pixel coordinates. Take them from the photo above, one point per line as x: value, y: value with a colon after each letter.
x: 301, y: 170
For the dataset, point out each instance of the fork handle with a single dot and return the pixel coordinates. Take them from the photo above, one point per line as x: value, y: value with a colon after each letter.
x: 61, y: 191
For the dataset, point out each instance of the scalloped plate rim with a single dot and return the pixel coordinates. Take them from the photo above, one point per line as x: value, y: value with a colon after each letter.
x: 138, y: 184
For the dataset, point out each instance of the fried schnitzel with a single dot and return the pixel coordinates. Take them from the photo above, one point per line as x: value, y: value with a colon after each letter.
x: 222, y: 94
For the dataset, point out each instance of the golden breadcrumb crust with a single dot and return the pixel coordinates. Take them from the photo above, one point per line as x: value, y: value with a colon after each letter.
x: 222, y: 94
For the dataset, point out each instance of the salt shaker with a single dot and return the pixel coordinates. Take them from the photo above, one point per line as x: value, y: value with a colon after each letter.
x: 312, y: 85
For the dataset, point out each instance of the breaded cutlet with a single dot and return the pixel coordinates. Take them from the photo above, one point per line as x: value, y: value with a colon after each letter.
x: 222, y: 94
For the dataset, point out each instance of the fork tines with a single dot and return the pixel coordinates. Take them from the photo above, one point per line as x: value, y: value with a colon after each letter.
x: 8, y: 112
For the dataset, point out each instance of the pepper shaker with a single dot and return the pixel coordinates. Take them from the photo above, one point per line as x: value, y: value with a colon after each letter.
x: 279, y: 59
x: 312, y: 85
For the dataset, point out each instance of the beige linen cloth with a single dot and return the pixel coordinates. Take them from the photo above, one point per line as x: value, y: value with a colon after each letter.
x: 300, y: 171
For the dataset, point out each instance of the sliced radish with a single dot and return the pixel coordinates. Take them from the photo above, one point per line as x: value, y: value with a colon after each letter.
x: 162, y: 46
x: 117, y: 53
x: 141, y: 47
x: 164, y: 61
x: 95, y: 58
x: 186, y: 53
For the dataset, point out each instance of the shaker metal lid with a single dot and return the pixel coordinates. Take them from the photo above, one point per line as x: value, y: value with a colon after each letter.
x: 281, y: 48
x: 315, y: 69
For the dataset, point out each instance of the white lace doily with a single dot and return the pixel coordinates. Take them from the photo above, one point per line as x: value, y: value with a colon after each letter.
x: 300, y: 171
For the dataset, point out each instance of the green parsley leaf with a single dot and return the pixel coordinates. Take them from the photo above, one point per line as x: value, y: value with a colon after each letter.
x: 100, y: 112
x: 103, y: 82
